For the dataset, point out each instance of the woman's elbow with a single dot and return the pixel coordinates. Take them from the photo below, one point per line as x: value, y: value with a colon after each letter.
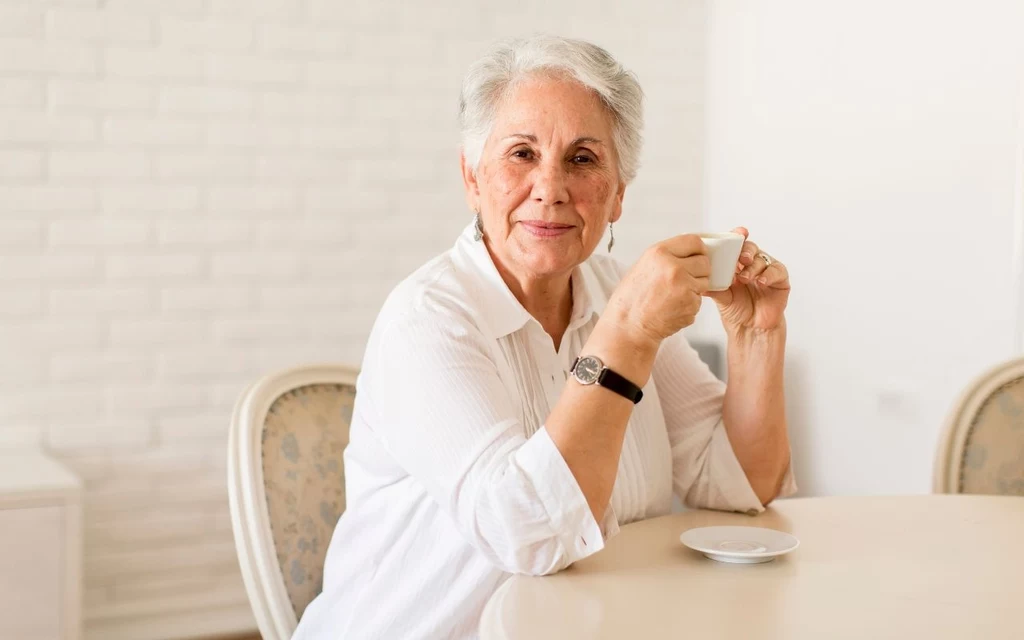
x: 542, y: 558
x: 768, y: 487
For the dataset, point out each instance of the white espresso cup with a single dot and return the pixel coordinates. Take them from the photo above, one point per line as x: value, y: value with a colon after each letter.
x: 724, y: 253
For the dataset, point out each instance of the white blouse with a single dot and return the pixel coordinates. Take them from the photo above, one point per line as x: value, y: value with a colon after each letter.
x: 452, y: 482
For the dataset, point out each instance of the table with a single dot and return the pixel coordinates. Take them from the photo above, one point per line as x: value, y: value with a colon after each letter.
x: 937, y: 567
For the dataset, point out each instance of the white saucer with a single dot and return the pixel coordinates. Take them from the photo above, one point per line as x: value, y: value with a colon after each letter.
x: 741, y: 545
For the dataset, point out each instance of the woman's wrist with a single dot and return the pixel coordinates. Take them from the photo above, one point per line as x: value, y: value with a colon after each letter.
x: 754, y: 337
x: 750, y: 350
x: 628, y: 353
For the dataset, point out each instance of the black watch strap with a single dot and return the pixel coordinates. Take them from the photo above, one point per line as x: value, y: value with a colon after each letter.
x: 614, y: 382
x: 593, y: 371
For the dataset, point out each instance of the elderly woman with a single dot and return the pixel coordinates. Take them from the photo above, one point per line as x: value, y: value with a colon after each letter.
x: 499, y: 426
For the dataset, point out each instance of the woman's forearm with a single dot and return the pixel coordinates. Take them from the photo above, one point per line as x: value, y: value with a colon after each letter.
x: 754, y: 411
x: 588, y: 424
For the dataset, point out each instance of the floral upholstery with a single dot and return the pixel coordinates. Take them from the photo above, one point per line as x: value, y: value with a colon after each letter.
x: 304, y: 437
x: 993, y: 461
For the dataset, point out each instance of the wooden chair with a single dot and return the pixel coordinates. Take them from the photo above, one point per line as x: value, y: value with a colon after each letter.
x: 286, y: 486
x: 982, y: 449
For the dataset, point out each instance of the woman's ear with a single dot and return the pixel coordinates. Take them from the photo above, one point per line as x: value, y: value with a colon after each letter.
x: 470, y: 183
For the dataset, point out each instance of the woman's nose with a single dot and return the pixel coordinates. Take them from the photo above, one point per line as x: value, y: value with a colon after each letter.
x: 550, y: 185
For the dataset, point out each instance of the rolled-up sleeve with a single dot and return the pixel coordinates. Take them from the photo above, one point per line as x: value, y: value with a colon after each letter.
x: 449, y: 421
x: 705, y: 470
x: 563, y: 500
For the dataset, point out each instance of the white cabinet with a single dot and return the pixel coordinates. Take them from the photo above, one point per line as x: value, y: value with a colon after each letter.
x: 40, y: 549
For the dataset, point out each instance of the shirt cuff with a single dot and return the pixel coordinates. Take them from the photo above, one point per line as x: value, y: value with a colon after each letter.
x: 572, y: 522
x: 788, y: 487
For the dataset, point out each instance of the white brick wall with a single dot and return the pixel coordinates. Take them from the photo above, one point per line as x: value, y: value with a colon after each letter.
x: 101, y: 95
x: 20, y: 54
x: 195, y: 192
x: 98, y: 26
x: 21, y: 20
x: 21, y: 92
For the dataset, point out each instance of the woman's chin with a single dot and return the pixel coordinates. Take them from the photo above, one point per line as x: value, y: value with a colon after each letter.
x: 551, y: 262
x: 550, y: 255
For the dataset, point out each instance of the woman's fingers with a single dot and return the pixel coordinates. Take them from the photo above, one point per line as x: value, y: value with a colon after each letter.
x: 774, y: 275
x: 753, y: 265
x: 689, y: 253
x: 684, y: 246
x: 697, y: 266
x: 748, y: 253
x: 759, y: 272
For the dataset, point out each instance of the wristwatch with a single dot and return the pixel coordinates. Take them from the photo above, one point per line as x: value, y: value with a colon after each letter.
x: 590, y: 370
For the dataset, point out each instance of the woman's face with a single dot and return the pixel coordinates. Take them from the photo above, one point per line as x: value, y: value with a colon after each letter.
x: 548, y: 182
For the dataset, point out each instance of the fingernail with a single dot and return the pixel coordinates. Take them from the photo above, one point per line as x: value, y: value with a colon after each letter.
x: 746, y: 257
x: 762, y: 281
x: 744, y: 277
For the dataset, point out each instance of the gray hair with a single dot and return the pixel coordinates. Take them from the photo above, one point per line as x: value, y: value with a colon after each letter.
x: 490, y: 78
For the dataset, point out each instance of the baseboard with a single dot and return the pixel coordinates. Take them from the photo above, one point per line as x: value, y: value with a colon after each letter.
x: 176, y: 626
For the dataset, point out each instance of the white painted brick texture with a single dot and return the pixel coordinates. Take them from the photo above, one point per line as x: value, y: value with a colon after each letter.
x: 195, y: 192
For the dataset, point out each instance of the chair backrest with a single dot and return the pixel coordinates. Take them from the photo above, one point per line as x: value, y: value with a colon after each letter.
x: 286, y: 486
x: 982, y: 449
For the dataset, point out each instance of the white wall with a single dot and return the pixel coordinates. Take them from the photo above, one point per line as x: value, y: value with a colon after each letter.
x: 195, y: 192
x: 874, y: 146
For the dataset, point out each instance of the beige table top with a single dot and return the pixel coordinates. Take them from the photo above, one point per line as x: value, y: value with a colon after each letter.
x: 935, y: 567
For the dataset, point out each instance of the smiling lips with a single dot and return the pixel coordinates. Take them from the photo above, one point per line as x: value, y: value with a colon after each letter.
x: 543, y: 229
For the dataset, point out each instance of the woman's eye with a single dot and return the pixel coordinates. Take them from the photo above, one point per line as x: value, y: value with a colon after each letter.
x: 524, y: 154
x: 581, y: 159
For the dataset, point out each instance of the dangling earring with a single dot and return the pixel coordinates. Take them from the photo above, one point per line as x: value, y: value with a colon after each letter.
x: 479, y: 227
x: 611, y: 241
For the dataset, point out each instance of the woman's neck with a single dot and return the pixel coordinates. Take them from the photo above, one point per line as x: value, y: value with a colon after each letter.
x: 548, y: 300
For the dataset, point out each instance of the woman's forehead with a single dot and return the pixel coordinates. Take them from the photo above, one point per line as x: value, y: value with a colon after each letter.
x: 535, y: 106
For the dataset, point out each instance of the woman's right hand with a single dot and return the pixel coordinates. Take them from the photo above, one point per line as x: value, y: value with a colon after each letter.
x: 663, y: 291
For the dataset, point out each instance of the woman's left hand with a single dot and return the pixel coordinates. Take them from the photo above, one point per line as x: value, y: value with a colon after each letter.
x: 759, y: 292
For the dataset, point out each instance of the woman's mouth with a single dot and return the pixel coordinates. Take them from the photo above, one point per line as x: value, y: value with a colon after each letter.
x: 542, y: 229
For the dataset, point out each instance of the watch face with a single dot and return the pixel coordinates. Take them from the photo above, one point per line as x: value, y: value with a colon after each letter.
x: 588, y: 369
